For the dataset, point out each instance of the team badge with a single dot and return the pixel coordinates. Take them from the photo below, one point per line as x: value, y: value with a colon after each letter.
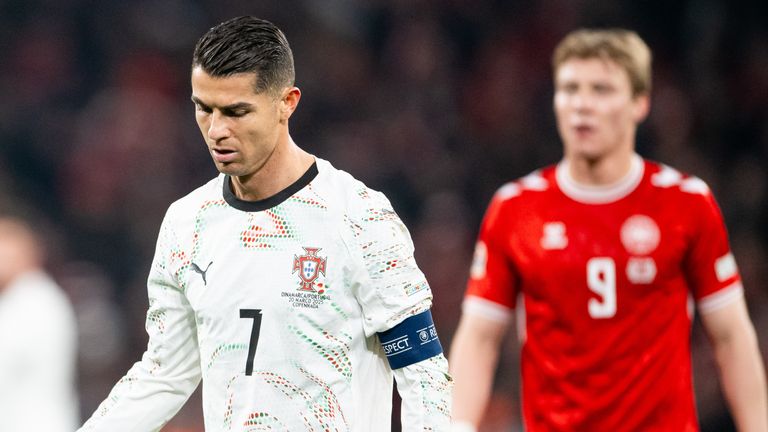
x: 310, y: 266
x: 641, y: 271
x: 553, y: 237
x: 640, y: 235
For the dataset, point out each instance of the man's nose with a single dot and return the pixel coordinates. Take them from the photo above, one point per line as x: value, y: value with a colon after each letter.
x: 582, y: 101
x: 219, y: 127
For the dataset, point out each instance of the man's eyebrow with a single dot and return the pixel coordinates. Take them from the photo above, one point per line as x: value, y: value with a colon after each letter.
x: 236, y: 106
x: 231, y: 107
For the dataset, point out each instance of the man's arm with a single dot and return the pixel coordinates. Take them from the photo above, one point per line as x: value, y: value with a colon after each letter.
x: 396, y: 298
x: 473, y: 358
x: 414, y: 353
x: 156, y: 387
x: 742, y: 373
x: 425, y: 390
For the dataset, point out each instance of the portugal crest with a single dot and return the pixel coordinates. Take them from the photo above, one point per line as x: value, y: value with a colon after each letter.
x: 309, y: 266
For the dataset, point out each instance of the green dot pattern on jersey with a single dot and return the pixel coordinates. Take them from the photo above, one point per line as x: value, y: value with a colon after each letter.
x: 124, y: 384
x: 338, y: 358
x: 223, y: 349
x: 379, y: 215
x: 328, y: 407
x: 280, y: 229
x: 263, y: 419
x: 230, y: 399
x: 324, y: 406
x: 334, y: 305
x: 200, y: 224
x: 435, y: 381
x: 363, y: 193
x: 156, y: 317
x: 310, y: 201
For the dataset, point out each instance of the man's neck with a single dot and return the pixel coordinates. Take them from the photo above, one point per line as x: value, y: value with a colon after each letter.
x: 23, y: 268
x: 602, y: 171
x: 286, y: 165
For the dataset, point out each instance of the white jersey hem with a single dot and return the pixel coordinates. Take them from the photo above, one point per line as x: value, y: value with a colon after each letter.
x: 720, y: 299
x: 474, y: 305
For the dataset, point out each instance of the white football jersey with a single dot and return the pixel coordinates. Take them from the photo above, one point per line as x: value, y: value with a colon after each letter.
x: 38, y: 356
x: 275, y: 304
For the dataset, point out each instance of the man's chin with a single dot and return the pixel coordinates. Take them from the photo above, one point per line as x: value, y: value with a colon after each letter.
x: 588, y: 152
x: 228, y: 168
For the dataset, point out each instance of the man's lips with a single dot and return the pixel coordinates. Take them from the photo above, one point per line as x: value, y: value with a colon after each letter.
x: 223, y: 155
x: 583, y: 130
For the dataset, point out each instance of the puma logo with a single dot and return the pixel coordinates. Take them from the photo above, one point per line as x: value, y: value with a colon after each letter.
x: 197, y: 269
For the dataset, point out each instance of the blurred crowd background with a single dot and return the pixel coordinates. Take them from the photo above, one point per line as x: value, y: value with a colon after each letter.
x: 435, y: 102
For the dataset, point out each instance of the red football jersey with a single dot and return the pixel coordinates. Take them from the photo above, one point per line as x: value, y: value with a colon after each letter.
x: 608, y: 278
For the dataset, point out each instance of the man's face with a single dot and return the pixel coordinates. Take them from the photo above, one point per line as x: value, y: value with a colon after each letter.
x: 17, y: 251
x: 596, y: 112
x: 240, y: 127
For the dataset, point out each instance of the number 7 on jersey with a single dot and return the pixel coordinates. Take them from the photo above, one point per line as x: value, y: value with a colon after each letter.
x: 254, y: 314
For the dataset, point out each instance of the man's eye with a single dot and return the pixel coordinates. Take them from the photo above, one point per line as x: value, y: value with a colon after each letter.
x: 602, y: 89
x: 202, y: 108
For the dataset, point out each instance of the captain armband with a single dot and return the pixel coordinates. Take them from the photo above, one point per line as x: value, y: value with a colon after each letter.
x: 413, y: 340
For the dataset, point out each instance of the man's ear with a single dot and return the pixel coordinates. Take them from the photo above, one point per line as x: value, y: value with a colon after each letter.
x: 289, y: 100
x: 642, y: 107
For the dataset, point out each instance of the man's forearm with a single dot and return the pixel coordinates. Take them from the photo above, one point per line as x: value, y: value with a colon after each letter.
x: 472, y: 369
x: 743, y: 378
x: 425, y: 389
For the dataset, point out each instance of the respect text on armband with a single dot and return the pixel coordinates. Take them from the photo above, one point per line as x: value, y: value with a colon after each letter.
x: 413, y: 340
x: 396, y: 346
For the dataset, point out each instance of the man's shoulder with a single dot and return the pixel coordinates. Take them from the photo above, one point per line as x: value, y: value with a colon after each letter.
x: 205, y: 195
x: 38, y: 290
x: 531, y: 186
x: 344, y: 190
x: 662, y: 177
x: 340, y: 179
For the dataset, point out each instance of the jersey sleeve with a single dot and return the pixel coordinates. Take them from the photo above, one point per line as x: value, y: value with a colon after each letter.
x: 388, y: 284
x: 492, y: 287
x: 390, y: 289
x: 425, y: 388
x: 709, y: 265
x: 157, y: 386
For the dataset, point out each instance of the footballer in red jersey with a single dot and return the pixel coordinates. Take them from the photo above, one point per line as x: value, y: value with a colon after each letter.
x: 605, y: 257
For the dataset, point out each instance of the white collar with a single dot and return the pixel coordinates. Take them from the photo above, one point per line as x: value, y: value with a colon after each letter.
x: 589, y: 194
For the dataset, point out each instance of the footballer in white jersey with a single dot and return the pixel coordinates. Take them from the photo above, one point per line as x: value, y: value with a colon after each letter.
x: 294, y: 311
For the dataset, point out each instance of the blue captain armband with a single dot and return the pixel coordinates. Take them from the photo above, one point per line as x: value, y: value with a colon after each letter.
x: 411, y: 341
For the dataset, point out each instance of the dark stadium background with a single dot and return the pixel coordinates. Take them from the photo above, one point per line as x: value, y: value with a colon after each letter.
x: 437, y: 103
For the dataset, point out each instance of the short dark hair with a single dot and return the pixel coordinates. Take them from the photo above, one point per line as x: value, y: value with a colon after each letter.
x: 247, y: 44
